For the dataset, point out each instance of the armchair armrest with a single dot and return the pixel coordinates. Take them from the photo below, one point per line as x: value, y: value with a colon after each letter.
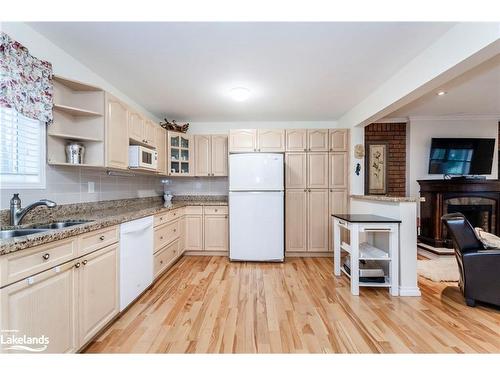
x: 482, y: 276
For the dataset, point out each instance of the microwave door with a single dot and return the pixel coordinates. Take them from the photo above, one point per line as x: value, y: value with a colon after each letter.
x: 146, y: 158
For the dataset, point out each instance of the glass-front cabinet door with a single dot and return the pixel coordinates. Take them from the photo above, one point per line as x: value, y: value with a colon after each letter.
x: 180, y: 154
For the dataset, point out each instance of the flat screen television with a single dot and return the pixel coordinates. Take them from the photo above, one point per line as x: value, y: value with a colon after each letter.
x: 461, y: 156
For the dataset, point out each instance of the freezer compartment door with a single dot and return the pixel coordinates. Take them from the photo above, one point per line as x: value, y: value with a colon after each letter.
x: 256, y: 225
x: 256, y: 172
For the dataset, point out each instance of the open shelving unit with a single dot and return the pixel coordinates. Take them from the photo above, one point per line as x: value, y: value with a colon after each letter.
x: 78, y: 116
x: 375, y: 240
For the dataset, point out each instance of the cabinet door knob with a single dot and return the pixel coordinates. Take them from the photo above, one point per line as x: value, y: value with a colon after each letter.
x: 161, y: 237
x: 305, y: 190
x: 77, y: 265
x: 161, y: 218
x: 175, y: 230
x: 225, y: 217
x: 161, y: 261
x: 84, y: 262
x: 305, y: 149
x: 46, y: 256
x: 216, y: 210
x: 101, y: 238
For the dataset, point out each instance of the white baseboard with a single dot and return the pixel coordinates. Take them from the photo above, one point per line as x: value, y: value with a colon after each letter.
x: 409, y: 292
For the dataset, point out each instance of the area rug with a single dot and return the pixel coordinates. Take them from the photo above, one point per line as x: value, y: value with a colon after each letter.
x: 443, y: 269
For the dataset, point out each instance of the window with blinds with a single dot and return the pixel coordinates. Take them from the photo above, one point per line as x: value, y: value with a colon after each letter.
x: 22, y: 151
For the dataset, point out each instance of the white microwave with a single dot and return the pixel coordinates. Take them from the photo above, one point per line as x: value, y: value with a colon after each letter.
x: 142, y: 157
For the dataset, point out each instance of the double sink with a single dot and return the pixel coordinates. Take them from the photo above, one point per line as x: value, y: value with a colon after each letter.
x: 38, y: 228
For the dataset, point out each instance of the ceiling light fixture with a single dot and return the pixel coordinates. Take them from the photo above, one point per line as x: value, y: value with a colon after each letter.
x: 441, y: 93
x: 239, y: 94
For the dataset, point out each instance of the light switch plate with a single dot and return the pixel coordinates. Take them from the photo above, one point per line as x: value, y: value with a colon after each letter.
x: 91, y: 187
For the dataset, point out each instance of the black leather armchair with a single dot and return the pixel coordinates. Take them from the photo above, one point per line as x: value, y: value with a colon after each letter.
x: 479, y: 268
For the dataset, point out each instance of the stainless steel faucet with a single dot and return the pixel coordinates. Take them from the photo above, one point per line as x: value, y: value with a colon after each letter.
x: 17, y: 213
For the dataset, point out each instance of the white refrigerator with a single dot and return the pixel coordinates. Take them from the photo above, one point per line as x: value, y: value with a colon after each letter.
x: 256, y: 207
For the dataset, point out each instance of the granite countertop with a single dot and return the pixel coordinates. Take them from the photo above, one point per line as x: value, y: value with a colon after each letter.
x: 108, y: 214
x: 384, y: 198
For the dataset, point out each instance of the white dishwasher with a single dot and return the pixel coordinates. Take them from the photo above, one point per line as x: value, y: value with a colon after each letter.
x: 136, y: 259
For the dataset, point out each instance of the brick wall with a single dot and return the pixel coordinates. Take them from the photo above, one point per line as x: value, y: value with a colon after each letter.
x: 395, y: 136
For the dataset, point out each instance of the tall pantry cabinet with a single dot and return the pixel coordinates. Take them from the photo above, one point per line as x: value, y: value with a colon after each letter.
x: 316, y: 185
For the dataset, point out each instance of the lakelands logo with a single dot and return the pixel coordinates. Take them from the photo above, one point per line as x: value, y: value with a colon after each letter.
x: 11, y: 340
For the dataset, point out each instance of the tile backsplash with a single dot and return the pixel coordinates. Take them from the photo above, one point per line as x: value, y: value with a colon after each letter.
x: 67, y: 185
x: 198, y: 185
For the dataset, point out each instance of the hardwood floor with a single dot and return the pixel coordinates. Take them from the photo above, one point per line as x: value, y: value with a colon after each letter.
x: 210, y: 305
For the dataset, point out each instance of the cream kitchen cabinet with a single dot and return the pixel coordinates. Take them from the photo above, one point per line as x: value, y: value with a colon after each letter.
x: 43, y: 304
x: 116, y: 133
x: 296, y: 220
x: 270, y: 140
x: 161, y: 148
x: 306, y: 220
x: 141, y: 130
x: 194, y: 228
x: 210, y: 155
x: 206, y: 228
x: 317, y: 220
x: 306, y: 170
x: 339, y: 175
x: 136, y: 125
x: 317, y: 170
x: 243, y: 140
x: 68, y: 300
x: 219, y: 155
x: 296, y: 170
x: 317, y: 140
x: 257, y: 140
x: 339, y: 139
x: 216, y: 232
x: 180, y: 154
x: 98, y: 291
x: 296, y: 140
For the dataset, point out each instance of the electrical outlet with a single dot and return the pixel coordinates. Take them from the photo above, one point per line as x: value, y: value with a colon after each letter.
x: 91, y: 187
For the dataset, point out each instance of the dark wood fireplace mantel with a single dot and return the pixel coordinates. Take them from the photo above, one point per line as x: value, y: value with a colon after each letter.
x: 478, y: 200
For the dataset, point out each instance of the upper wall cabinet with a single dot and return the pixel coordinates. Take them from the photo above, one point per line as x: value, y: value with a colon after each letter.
x: 339, y: 139
x: 271, y: 140
x: 243, y: 140
x: 296, y: 140
x: 141, y: 130
x: 317, y: 140
x: 219, y: 154
x: 180, y: 154
x: 116, y: 133
x: 210, y: 155
x: 257, y: 140
x: 161, y: 148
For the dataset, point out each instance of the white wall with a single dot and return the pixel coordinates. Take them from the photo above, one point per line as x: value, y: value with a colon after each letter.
x: 63, y: 63
x: 421, y: 130
x: 70, y: 185
x: 224, y: 127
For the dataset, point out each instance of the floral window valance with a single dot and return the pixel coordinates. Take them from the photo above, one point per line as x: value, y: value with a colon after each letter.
x: 25, y: 81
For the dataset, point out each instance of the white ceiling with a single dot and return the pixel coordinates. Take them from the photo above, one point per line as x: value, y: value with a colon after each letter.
x: 296, y: 71
x: 477, y: 92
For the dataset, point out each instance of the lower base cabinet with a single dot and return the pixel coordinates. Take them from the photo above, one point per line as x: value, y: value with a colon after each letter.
x: 215, y: 228
x: 65, y: 306
x: 165, y: 257
x: 98, y: 291
x: 206, y: 228
x: 194, y: 231
x: 44, y: 305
